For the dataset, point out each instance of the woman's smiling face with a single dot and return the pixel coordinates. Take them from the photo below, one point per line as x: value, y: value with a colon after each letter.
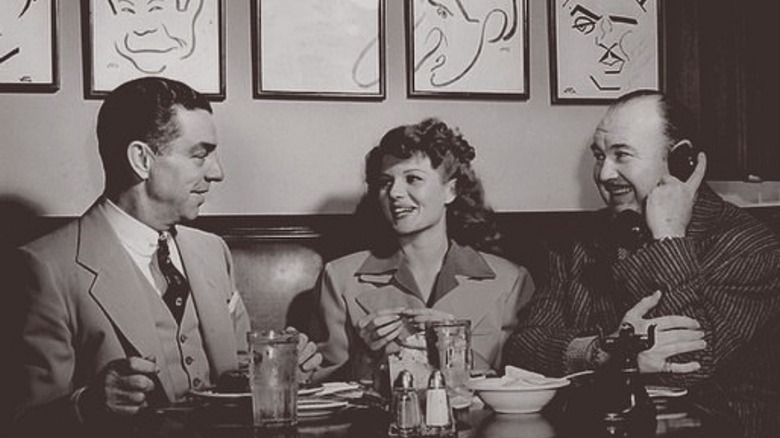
x: 413, y: 195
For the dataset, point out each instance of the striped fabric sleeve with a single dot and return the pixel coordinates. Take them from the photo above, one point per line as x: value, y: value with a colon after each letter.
x: 726, y: 276
x: 731, y: 291
x: 542, y: 338
x: 672, y: 266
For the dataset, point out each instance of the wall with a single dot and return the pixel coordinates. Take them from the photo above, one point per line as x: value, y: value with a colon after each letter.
x: 302, y: 157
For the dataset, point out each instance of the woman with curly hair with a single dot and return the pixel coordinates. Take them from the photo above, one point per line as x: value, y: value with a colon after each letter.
x: 427, y: 225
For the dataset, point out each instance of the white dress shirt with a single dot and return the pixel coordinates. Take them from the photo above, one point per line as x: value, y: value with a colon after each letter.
x: 139, y: 240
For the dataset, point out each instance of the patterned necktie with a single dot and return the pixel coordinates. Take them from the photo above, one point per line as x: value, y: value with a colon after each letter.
x: 177, y: 289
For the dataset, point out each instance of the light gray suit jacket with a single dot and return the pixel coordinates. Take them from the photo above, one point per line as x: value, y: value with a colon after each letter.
x: 81, y: 307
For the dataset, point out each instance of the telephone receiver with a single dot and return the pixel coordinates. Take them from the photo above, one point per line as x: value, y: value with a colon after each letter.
x: 682, y: 160
x: 628, y: 230
x: 628, y: 227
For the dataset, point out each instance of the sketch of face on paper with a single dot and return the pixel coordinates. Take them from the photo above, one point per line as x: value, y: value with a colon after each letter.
x: 17, y: 46
x: 611, y: 40
x: 467, y: 44
x: 151, y: 34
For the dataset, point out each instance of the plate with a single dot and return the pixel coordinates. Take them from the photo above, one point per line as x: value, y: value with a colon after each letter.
x: 309, y: 389
x: 214, y: 394
x: 665, y: 391
x: 210, y: 393
x: 310, y: 409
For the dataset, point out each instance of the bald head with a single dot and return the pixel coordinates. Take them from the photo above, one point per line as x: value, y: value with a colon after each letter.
x: 677, y: 121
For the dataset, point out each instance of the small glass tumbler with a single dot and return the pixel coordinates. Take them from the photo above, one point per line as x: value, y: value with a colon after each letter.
x: 272, y: 378
x: 449, y: 350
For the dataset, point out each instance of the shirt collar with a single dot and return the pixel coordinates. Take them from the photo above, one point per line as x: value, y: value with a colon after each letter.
x: 134, y: 234
x: 459, y: 260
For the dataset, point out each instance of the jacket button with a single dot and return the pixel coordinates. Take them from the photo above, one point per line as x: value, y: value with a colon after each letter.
x: 196, y: 382
x: 189, y: 360
x: 183, y: 338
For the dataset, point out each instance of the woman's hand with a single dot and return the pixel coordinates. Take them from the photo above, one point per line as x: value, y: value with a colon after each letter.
x: 379, y: 328
x: 422, y: 315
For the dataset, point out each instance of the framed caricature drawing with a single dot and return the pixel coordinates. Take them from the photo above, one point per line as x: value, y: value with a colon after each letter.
x: 28, y: 46
x: 601, y: 49
x: 467, y: 49
x: 318, y: 49
x: 178, y: 39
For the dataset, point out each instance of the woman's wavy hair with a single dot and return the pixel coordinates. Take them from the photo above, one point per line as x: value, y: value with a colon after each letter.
x: 469, y: 221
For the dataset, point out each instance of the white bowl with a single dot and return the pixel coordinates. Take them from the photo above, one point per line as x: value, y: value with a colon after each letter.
x: 516, y: 399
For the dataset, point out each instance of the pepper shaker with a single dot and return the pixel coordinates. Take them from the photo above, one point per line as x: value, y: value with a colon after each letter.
x: 405, y: 407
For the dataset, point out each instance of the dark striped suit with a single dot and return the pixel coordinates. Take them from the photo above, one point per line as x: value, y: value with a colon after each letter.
x: 725, y: 273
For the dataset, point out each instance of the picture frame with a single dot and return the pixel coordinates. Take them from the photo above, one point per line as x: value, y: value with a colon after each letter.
x: 29, y: 58
x: 467, y: 49
x: 178, y: 39
x: 343, y: 41
x: 602, y: 49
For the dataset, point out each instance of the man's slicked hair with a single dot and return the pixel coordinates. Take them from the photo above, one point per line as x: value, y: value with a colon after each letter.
x: 143, y: 110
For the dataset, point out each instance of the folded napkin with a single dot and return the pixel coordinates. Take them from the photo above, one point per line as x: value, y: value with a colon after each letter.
x: 514, y: 376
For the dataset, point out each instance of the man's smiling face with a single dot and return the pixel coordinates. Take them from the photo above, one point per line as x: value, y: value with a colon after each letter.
x: 630, y: 149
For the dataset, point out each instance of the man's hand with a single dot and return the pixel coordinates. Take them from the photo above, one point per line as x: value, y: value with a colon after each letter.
x: 120, y: 388
x: 378, y: 328
x: 309, y: 359
x: 674, y: 334
x: 669, y: 205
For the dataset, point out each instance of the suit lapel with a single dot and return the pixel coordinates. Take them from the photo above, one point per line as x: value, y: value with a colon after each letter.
x: 117, y: 288
x: 215, y: 324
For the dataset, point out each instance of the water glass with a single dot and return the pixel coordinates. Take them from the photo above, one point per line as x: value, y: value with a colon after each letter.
x: 448, y: 346
x: 272, y: 378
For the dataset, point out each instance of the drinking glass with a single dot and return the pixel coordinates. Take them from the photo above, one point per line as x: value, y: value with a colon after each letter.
x: 272, y: 378
x: 448, y: 346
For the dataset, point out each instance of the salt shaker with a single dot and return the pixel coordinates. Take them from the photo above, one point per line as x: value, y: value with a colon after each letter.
x: 405, y: 407
x: 438, y: 415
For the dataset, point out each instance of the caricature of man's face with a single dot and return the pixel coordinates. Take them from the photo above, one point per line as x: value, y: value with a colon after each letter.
x: 152, y: 33
x: 610, y: 25
x: 456, y: 32
x: 12, y: 13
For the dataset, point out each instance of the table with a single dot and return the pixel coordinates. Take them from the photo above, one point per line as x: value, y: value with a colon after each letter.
x: 213, y: 420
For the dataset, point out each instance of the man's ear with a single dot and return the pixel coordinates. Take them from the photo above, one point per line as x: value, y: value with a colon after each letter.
x: 452, y: 191
x: 140, y: 157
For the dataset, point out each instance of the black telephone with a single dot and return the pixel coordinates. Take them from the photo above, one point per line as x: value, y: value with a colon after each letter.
x: 628, y: 228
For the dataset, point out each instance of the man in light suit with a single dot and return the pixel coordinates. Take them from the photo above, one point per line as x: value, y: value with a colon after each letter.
x: 99, y: 333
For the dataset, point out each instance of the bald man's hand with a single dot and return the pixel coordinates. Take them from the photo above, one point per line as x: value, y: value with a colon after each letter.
x: 670, y: 204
